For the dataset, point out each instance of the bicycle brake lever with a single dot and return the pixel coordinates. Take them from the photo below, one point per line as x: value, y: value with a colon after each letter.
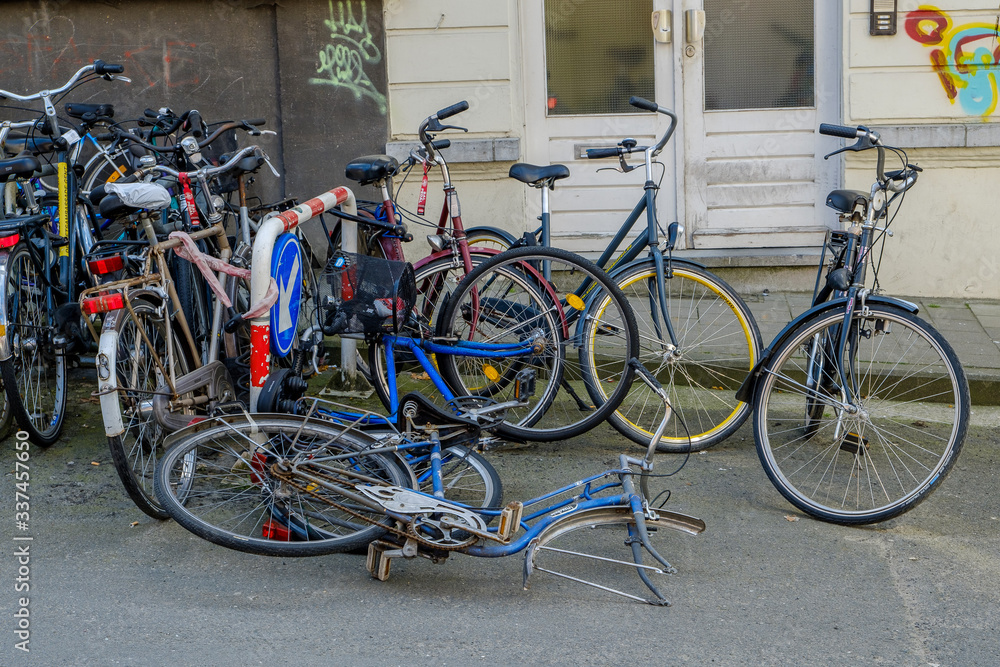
x: 862, y: 144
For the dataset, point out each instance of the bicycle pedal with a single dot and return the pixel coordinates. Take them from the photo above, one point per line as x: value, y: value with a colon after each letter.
x: 510, y: 520
x: 854, y: 444
x: 378, y: 563
x: 524, y: 385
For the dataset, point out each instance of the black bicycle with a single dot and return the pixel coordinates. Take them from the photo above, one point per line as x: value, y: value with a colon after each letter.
x: 860, y: 406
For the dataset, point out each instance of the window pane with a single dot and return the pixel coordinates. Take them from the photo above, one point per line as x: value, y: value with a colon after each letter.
x: 598, y: 53
x: 758, y: 55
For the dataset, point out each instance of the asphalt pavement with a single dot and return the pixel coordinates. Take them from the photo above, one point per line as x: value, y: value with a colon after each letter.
x: 763, y: 585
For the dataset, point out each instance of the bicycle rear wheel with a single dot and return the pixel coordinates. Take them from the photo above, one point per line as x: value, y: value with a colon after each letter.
x: 886, y: 447
x: 34, y: 376
x: 506, y: 300
x: 717, y: 344
x: 234, y: 497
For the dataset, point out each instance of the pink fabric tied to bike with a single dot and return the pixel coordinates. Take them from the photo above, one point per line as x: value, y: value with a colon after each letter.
x: 208, y: 265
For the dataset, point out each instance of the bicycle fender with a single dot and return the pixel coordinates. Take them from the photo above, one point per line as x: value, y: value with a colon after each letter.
x: 674, y: 261
x: 5, y: 350
x: 746, y: 391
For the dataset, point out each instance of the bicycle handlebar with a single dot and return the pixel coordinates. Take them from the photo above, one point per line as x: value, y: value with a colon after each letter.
x: 207, y: 172
x: 842, y: 131
x: 456, y: 108
x: 621, y: 150
x: 98, y: 67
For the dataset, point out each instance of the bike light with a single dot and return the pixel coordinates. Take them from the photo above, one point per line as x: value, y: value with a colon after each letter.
x: 102, y: 303
x: 438, y: 242
x: 104, y: 265
x: 9, y: 241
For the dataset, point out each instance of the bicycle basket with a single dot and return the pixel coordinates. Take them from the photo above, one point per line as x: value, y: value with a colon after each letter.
x: 359, y: 294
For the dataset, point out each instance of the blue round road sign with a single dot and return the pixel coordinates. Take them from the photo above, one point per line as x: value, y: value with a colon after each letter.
x: 286, y: 269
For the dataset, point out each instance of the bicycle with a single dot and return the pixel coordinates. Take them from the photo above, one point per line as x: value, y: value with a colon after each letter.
x: 40, y: 272
x: 292, y: 486
x: 153, y: 376
x: 860, y: 407
x: 695, y: 330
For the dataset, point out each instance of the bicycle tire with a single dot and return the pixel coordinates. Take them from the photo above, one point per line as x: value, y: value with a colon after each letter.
x: 492, y: 238
x: 232, y: 498
x: 888, y: 457
x: 137, y: 448
x: 6, y: 416
x: 34, y: 376
x: 718, y: 344
x: 510, y: 319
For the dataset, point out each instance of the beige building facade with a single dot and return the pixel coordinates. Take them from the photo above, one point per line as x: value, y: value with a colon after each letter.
x: 750, y: 81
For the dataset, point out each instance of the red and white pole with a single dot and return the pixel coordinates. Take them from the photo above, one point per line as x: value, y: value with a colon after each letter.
x: 263, y: 246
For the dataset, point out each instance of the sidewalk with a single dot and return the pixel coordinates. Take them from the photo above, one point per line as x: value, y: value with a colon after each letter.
x: 972, y: 328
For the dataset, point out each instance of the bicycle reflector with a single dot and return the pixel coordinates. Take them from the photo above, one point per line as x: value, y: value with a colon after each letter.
x: 273, y: 530
x: 9, y: 241
x: 108, y: 264
x: 102, y: 303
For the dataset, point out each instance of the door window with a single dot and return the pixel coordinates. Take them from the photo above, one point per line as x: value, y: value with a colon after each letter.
x: 598, y: 53
x: 758, y: 55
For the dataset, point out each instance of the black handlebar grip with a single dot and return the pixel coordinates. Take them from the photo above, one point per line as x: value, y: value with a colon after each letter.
x: 441, y: 143
x: 598, y: 153
x: 101, y: 67
x: 641, y: 103
x: 447, y: 112
x: 194, y: 123
x: 256, y: 122
x: 109, y: 136
x: 838, y: 131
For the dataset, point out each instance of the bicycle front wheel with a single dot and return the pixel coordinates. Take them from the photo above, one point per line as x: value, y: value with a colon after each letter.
x: 237, y: 496
x: 715, y: 344
x: 876, y: 448
x: 135, y: 438
x: 34, y: 377
x: 506, y: 300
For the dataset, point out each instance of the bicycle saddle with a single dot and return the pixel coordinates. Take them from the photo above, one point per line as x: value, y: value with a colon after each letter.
x: 370, y: 168
x: 127, y: 198
x: 89, y: 112
x: 23, y: 165
x: 845, y: 201
x: 536, y: 176
x: 18, y: 143
x: 451, y: 428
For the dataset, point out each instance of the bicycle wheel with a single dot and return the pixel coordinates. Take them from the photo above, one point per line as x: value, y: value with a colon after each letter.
x: 506, y: 300
x: 467, y: 477
x: 718, y: 342
x: 874, y: 451
x: 34, y: 376
x: 436, y: 281
x: 6, y: 416
x: 235, y: 498
x: 138, y: 444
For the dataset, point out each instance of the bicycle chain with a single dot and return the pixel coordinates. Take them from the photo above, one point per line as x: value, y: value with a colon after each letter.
x: 406, y: 534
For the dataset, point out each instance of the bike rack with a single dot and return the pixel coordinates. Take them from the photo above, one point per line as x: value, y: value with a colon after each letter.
x: 263, y: 246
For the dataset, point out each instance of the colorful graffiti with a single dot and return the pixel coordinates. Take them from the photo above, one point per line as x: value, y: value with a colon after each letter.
x: 352, y: 46
x: 964, y: 56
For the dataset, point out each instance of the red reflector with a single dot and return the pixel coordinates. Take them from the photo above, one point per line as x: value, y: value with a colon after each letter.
x: 9, y: 241
x: 102, y: 303
x: 104, y: 265
x: 275, y: 531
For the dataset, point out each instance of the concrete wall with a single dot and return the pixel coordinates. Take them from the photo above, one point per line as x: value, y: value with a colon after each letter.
x: 314, y: 69
x: 927, y: 89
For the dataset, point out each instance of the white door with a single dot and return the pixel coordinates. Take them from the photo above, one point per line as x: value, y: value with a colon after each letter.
x: 758, y: 79
x: 582, y: 60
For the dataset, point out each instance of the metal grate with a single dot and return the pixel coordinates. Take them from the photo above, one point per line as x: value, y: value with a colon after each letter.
x: 598, y: 53
x: 759, y: 55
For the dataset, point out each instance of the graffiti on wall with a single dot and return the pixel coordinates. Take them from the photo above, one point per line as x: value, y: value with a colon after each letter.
x: 964, y: 56
x: 351, y: 46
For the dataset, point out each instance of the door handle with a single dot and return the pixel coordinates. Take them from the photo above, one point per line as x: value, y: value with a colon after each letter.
x: 694, y: 25
x: 662, y: 22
